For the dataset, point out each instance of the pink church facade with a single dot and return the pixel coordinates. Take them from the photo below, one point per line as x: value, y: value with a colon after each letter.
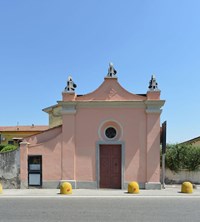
x: 106, y: 139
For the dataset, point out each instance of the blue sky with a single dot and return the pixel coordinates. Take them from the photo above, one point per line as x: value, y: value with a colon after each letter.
x: 43, y: 41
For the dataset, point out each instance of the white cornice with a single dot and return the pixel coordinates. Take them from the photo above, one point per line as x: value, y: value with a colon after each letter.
x: 154, y: 106
x: 50, y: 108
x: 104, y: 104
x: 68, y: 108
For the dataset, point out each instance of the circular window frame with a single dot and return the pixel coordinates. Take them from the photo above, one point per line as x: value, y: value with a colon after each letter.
x: 116, y: 133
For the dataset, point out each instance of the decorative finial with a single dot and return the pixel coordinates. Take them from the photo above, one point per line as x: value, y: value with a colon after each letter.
x: 153, y: 85
x: 111, y: 70
x: 70, y: 85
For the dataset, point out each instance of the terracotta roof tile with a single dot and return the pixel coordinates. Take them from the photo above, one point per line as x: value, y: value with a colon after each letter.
x: 23, y: 128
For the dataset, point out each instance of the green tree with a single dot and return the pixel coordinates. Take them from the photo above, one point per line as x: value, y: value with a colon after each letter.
x: 182, y: 156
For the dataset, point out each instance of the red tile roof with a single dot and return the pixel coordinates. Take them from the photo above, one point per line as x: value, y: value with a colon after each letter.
x: 23, y: 128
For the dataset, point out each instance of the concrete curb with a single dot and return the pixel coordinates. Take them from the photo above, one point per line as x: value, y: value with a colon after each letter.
x: 173, y: 191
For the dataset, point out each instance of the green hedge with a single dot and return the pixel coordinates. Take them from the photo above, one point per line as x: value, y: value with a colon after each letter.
x: 183, y: 156
x: 7, y: 148
x: 1, y: 147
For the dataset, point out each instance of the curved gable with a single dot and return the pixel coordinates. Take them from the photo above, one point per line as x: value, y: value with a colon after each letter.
x: 110, y: 90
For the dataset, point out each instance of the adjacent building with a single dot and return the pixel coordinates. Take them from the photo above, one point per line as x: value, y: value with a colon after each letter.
x: 15, y: 134
x: 195, y: 141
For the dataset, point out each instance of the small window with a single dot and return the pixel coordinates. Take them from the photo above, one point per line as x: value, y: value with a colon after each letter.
x: 110, y: 132
x: 11, y: 142
x: 34, y: 162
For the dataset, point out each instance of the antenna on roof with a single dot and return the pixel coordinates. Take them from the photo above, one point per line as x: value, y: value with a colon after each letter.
x: 17, y: 125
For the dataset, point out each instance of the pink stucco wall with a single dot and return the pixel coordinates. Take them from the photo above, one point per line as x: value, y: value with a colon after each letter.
x: 153, y: 148
x: 134, y: 126
x: 47, y: 144
x: 88, y: 123
x: 68, y: 147
x: 69, y: 151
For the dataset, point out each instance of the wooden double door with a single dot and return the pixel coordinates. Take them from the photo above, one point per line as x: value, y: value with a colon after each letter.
x: 110, y: 166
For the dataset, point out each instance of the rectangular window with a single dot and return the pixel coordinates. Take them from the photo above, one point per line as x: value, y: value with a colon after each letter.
x: 11, y: 142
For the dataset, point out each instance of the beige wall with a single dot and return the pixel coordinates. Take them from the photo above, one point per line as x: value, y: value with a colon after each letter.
x: 55, y: 117
x: 196, y: 143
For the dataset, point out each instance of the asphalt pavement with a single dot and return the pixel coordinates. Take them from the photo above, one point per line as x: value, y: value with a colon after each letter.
x: 48, y: 205
x: 170, y: 191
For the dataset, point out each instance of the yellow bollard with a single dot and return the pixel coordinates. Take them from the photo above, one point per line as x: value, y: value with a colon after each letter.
x: 187, y: 187
x: 133, y: 187
x: 65, y: 188
x: 1, y: 189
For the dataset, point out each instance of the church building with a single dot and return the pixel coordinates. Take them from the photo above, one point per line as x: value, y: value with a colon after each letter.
x: 104, y: 139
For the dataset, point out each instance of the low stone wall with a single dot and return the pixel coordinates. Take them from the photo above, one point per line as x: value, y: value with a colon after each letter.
x: 183, y: 175
x: 10, y: 169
